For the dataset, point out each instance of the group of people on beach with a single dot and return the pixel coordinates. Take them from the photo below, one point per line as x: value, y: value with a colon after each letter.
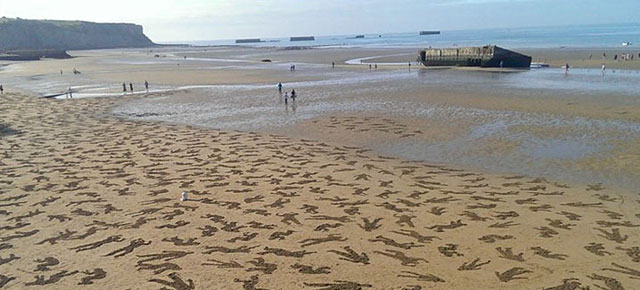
x: 286, y: 95
x: 124, y: 87
x: 623, y: 56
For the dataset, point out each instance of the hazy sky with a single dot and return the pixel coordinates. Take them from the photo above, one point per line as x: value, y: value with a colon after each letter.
x: 183, y: 20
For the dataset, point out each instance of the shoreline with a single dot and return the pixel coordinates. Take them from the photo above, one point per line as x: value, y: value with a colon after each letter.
x: 581, y: 126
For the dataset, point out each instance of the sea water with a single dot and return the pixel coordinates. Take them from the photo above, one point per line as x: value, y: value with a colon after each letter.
x: 603, y: 35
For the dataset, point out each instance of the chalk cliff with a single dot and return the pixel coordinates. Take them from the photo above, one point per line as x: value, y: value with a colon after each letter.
x: 20, y: 34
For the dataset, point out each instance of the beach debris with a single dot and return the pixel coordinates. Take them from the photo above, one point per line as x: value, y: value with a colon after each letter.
x: 221, y: 249
x: 450, y: 226
x: 370, y: 225
x: 547, y: 254
x: 96, y: 274
x: 393, y: 243
x: 419, y: 237
x: 285, y: 253
x: 614, y: 235
x: 91, y: 246
x: 569, y: 284
x: 493, y: 238
x: 547, y: 232
x: 404, y: 259
x: 597, y: 249
x: 308, y: 269
x: 222, y: 264
x: 259, y: 264
x: 4, y: 280
x: 41, y: 280
x: 512, y: 274
x: 12, y: 257
x: 315, y: 241
x: 158, y: 268
x: 46, y: 263
x: 449, y: 250
x: 250, y: 284
x: 624, y: 270
x: 176, y: 282
x: 507, y: 253
x: 611, y: 283
x: 338, y: 285
x: 473, y: 265
x: 184, y: 196
x: 130, y: 248
x: 421, y: 277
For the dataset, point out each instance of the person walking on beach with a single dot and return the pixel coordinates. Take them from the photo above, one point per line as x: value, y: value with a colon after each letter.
x: 70, y: 93
x: 280, y: 88
x: 131, y: 87
x: 293, y: 95
x: 604, y: 68
x: 376, y: 66
x: 286, y: 98
x: 124, y: 87
x: 333, y: 64
x: 1, y: 90
x: 146, y: 85
x: 369, y: 66
x: 566, y: 68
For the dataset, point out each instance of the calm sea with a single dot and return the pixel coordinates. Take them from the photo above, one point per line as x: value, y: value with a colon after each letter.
x: 609, y: 35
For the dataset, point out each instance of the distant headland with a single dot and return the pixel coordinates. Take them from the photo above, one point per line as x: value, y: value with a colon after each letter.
x: 22, y: 34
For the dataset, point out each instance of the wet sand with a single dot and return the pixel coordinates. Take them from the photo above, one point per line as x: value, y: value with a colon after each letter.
x: 92, y: 201
x: 320, y: 195
x: 581, y: 127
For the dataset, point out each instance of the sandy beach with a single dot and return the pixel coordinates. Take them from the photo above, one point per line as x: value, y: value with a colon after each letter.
x: 92, y: 200
x: 90, y: 187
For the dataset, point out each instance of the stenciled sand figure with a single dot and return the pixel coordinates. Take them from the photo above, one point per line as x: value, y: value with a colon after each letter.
x: 89, y: 201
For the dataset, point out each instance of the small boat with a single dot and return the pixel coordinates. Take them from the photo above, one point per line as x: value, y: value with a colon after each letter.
x: 539, y: 65
x: 626, y: 43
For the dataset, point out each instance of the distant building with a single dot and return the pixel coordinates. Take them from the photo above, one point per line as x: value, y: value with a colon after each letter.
x: 248, y: 40
x: 302, y: 38
x: 485, y: 56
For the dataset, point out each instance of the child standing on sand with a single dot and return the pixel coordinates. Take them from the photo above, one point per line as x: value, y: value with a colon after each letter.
x: 286, y: 98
